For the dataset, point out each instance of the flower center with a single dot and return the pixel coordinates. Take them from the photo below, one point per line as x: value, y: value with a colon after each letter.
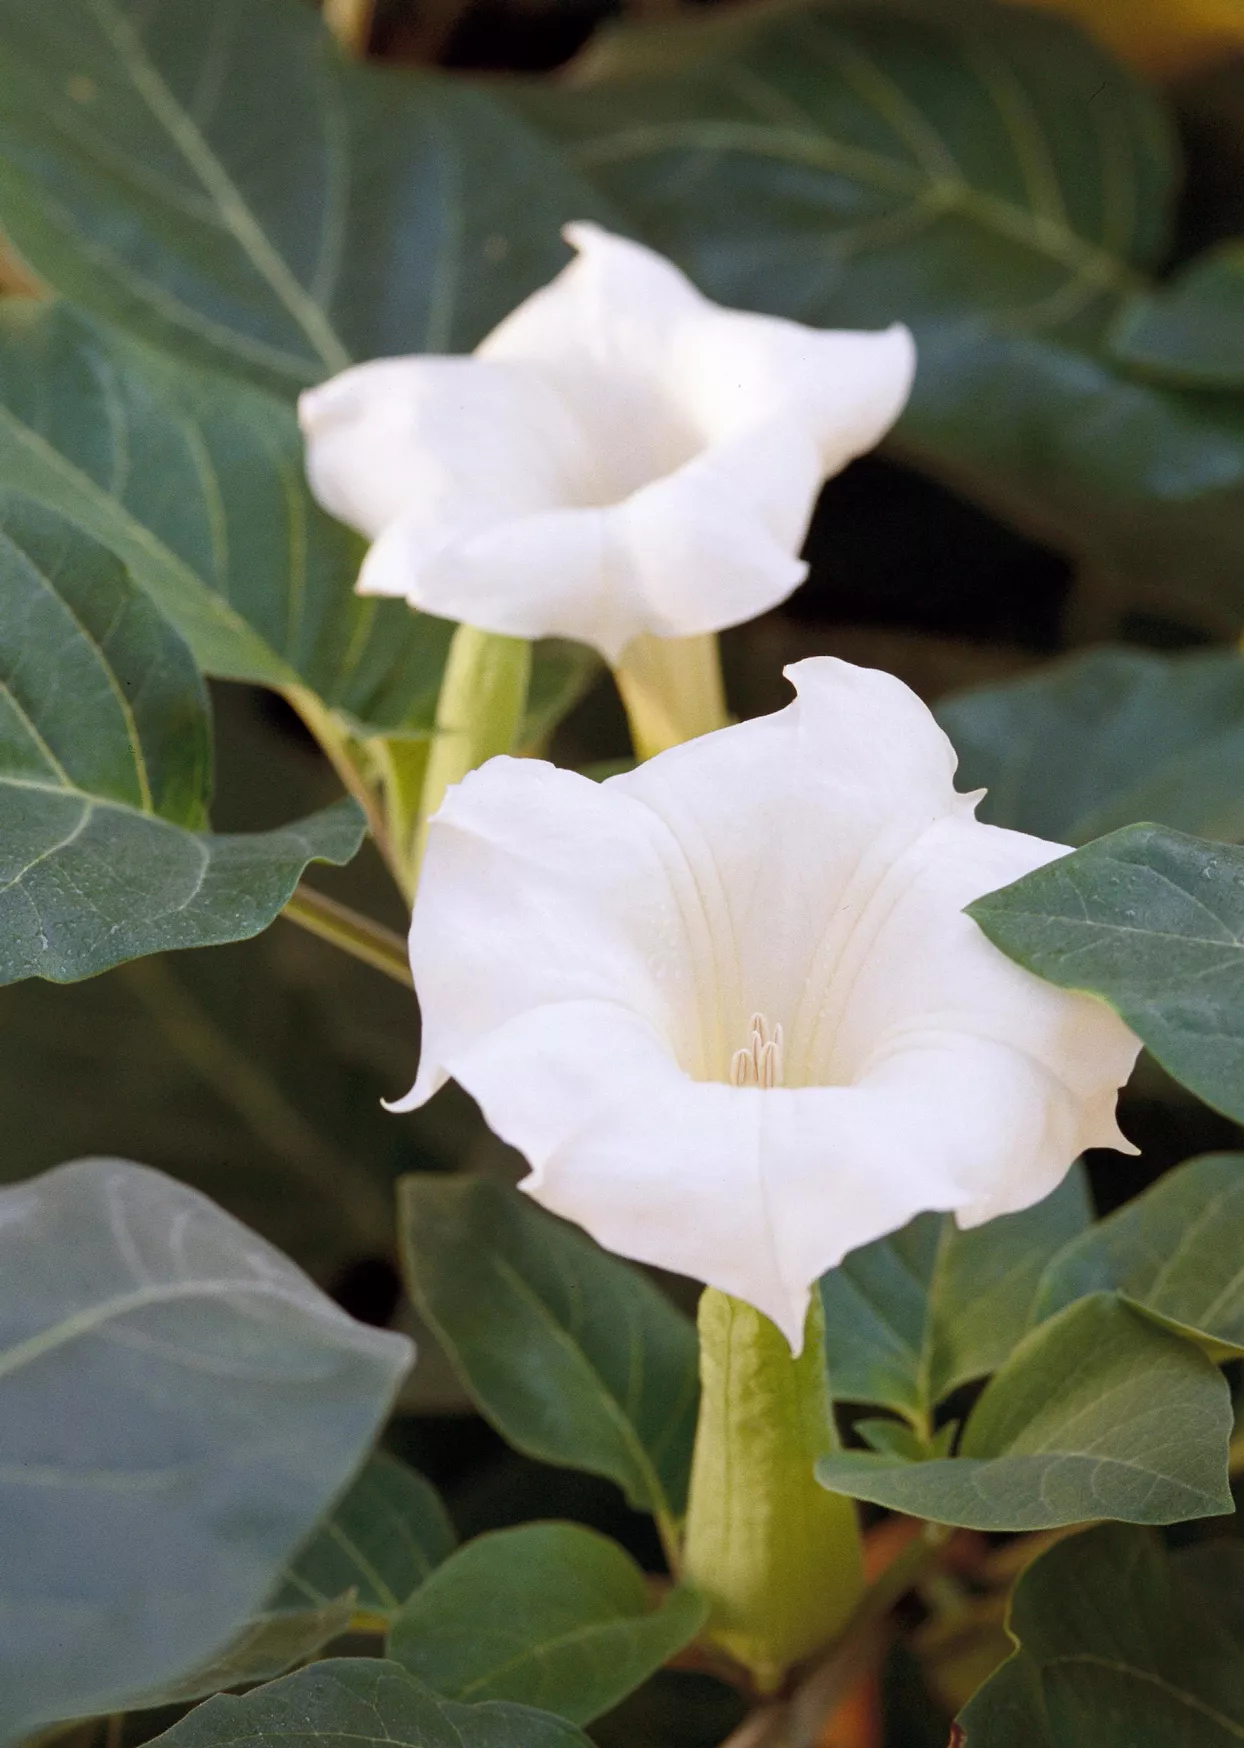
x: 759, y: 1062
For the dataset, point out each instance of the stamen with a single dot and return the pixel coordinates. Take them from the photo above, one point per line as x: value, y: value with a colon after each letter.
x: 759, y: 1062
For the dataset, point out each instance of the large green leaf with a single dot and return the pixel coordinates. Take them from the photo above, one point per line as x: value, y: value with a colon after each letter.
x: 986, y: 175
x: 573, y: 1354
x: 911, y: 1317
x: 196, y: 481
x: 261, y: 1105
x: 1178, y: 1250
x: 358, y: 1702
x: 1192, y: 330
x: 1106, y: 738
x: 1119, y: 1646
x: 870, y: 163
x: 549, y: 1614
x: 374, y: 1548
x: 1097, y: 1413
x: 380, y: 1542
x: 180, y: 1405
x: 223, y: 180
x: 1153, y: 922
x: 104, y: 773
x: 272, y: 1643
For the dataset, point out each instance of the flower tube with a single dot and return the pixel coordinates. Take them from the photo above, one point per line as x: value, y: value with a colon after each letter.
x: 728, y: 1005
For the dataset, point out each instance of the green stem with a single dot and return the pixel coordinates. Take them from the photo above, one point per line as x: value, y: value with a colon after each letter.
x: 672, y: 689
x: 354, y: 934
x: 776, y: 1556
x: 479, y: 714
x: 401, y: 766
x: 342, y: 754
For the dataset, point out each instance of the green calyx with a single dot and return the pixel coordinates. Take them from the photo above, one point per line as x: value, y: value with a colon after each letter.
x: 777, y: 1558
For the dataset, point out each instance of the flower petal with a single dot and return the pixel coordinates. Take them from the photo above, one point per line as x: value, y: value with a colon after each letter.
x: 757, y: 1193
x: 445, y: 443
x: 588, y: 959
x: 538, y: 886
x: 613, y: 310
x: 687, y: 554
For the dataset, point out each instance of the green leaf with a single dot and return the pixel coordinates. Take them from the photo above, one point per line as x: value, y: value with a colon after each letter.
x: 1192, y: 329
x: 1118, y: 1646
x: 357, y: 1702
x: 575, y: 1356
x: 1176, y: 1251
x: 911, y: 1317
x: 375, y: 1547
x: 179, y: 1405
x: 548, y: 1614
x: 267, y: 1646
x: 104, y: 759
x: 857, y: 165
x: 380, y: 1543
x: 262, y: 1104
x: 1097, y: 1413
x: 196, y: 482
x: 148, y: 174
x: 1105, y: 738
x: 1153, y: 922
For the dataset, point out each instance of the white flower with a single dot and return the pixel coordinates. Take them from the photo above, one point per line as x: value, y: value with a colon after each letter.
x: 619, y: 456
x: 728, y: 1004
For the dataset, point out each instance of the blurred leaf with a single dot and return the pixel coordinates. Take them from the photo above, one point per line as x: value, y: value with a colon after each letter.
x: 259, y: 1103
x: 1119, y: 1647
x: 380, y: 1542
x: 180, y: 1405
x: 1153, y: 922
x: 1216, y: 1567
x: 1106, y: 738
x: 375, y: 1547
x: 861, y: 164
x: 196, y: 482
x: 561, y: 674
x: 359, y: 1700
x: 548, y: 1614
x: 1177, y: 1250
x: 912, y: 1316
x: 104, y: 763
x: 267, y: 1646
x: 1097, y: 1413
x: 987, y: 176
x: 222, y: 180
x: 1192, y: 329
x: 575, y: 1356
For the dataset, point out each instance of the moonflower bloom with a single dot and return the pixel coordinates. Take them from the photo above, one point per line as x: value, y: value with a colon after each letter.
x: 729, y: 1007
x: 619, y: 456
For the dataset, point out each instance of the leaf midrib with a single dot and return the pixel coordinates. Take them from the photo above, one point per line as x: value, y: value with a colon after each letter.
x: 227, y: 198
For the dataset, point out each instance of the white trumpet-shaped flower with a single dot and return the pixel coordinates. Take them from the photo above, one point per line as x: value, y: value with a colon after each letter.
x: 620, y: 456
x: 729, y: 1007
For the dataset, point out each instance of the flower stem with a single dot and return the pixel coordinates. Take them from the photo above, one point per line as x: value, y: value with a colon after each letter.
x: 479, y: 714
x: 354, y: 934
x: 776, y: 1556
x: 343, y: 755
x: 672, y: 689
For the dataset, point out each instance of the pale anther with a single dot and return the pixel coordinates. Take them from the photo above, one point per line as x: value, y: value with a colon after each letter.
x: 759, y: 1062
